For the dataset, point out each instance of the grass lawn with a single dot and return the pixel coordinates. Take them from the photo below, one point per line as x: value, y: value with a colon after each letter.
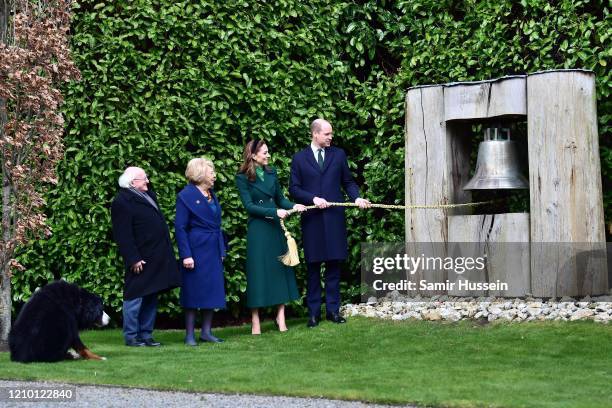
x: 540, y: 364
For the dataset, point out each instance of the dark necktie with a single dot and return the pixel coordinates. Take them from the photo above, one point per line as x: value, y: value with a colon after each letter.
x: 320, y: 158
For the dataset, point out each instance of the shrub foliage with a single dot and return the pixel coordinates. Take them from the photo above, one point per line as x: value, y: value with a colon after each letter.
x: 164, y: 81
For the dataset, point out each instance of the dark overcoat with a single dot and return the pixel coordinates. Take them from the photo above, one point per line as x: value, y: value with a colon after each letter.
x: 323, y: 231
x: 141, y: 232
x: 198, y: 236
x: 269, y: 282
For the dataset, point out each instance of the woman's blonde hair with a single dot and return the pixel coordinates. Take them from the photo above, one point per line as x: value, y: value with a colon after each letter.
x: 198, y: 169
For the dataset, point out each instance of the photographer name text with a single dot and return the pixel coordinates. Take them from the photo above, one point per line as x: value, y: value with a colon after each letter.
x: 447, y: 285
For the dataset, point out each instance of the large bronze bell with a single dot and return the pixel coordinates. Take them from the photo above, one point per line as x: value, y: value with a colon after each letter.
x: 497, y: 166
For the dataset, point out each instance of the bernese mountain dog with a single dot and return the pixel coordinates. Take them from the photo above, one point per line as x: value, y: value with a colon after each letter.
x: 49, y: 324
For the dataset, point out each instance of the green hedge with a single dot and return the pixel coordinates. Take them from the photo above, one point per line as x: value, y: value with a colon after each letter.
x: 164, y: 81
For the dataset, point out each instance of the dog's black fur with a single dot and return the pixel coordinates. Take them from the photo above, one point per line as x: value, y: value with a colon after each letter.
x: 49, y: 323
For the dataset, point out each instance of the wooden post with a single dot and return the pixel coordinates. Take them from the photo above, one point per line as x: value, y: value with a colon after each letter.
x: 485, y: 99
x: 427, y: 181
x: 504, y: 238
x: 565, y: 184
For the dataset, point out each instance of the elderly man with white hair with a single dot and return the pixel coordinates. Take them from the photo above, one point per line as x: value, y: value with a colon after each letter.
x: 142, y: 235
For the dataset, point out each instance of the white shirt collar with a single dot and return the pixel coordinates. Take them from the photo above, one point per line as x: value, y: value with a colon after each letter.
x: 315, y: 150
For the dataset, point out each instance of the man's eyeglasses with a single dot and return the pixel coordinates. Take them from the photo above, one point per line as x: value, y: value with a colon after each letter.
x: 143, y: 179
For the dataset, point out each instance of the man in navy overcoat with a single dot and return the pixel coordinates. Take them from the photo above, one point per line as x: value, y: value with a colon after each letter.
x: 318, y: 175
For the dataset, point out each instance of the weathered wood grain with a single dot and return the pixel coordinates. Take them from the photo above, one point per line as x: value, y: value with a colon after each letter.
x: 427, y: 180
x: 565, y: 185
x: 486, y: 99
x: 504, y: 238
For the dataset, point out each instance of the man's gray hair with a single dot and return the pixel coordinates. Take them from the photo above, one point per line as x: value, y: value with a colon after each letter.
x: 125, y: 180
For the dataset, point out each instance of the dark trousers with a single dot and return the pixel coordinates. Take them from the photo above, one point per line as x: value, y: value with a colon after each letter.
x: 139, y: 317
x: 332, y: 287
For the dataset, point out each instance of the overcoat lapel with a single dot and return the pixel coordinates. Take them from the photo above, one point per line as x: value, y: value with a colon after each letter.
x: 329, y: 157
x: 130, y: 195
x: 196, y: 202
x: 311, y: 160
x: 266, y: 186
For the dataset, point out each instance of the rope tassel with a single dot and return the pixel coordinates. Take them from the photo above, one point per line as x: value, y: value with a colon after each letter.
x: 291, y: 258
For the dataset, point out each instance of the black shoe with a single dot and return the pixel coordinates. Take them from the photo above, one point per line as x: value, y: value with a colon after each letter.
x: 313, y: 322
x: 134, y: 343
x: 211, y: 339
x: 336, y: 318
x: 151, y: 343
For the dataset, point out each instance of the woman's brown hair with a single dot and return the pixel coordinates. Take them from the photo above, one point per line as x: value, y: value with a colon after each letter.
x: 248, y: 163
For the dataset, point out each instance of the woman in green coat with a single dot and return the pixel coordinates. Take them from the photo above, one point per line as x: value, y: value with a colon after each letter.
x: 269, y: 282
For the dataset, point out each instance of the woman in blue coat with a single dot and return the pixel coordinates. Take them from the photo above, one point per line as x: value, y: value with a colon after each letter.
x: 201, y: 249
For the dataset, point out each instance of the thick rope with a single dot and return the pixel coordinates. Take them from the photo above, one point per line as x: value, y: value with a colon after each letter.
x: 291, y: 258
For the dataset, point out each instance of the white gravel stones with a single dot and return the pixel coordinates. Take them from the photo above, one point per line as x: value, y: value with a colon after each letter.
x: 105, y: 396
x: 449, y: 308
